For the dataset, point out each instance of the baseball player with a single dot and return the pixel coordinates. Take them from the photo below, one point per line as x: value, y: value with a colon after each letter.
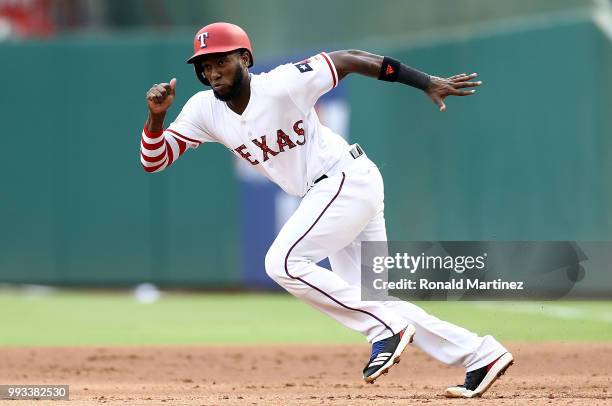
x: 269, y: 121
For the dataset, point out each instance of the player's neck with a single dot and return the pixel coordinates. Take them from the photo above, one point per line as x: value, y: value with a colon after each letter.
x: 239, y: 103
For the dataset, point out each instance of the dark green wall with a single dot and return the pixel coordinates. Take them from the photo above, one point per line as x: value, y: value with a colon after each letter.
x: 76, y: 205
x: 527, y: 158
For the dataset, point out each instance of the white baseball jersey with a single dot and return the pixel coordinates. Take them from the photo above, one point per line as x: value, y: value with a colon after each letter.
x: 279, y: 132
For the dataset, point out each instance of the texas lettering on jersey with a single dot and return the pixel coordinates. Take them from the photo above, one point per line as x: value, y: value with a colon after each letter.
x: 282, y: 141
x: 280, y: 117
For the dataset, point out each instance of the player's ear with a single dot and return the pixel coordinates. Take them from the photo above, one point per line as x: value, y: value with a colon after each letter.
x: 245, y: 57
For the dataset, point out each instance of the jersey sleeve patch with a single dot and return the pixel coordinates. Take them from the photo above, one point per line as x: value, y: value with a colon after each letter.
x: 314, y: 77
x: 303, y: 67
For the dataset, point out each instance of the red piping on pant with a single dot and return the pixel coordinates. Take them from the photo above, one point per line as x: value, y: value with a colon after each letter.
x: 316, y: 288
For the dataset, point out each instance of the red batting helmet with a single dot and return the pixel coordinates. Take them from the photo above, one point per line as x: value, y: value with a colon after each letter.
x: 216, y: 38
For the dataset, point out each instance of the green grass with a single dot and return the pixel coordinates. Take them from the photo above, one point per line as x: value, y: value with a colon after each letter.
x: 101, y: 318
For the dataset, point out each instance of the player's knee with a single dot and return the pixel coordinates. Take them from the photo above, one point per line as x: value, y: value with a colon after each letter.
x: 275, y: 264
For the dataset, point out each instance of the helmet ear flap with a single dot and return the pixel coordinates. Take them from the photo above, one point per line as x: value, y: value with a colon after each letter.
x: 200, y: 75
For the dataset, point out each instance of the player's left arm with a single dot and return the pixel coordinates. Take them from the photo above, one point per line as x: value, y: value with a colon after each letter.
x: 391, y: 70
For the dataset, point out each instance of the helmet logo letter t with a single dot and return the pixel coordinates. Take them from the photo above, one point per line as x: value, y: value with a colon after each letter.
x: 202, y: 37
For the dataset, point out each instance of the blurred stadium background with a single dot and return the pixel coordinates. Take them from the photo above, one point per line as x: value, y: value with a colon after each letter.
x: 528, y: 158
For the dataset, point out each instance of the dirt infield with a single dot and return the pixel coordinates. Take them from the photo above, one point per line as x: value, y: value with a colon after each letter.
x: 544, y: 373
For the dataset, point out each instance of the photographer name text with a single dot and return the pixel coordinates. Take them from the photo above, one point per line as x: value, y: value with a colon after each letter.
x: 458, y: 284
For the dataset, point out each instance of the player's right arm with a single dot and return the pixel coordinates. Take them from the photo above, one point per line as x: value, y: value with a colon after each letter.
x: 159, y: 147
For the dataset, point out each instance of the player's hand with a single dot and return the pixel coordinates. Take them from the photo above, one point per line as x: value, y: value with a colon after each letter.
x: 160, y: 97
x: 440, y: 88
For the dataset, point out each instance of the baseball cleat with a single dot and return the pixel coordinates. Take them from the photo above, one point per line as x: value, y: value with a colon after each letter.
x: 386, y: 353
x: 478, y: 381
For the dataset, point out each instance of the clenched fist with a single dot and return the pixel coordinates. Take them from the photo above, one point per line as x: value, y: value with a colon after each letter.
x: 160, y: 97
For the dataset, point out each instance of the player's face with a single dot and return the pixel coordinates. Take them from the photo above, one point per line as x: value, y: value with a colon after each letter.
x: 225, y: 72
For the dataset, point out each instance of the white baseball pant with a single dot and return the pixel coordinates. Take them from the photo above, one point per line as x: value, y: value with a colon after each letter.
x: 331, y: 221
